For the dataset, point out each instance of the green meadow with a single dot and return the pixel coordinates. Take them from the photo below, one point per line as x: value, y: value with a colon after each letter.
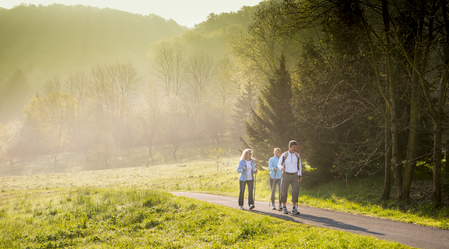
x: 143, y: 218
x: 131, y: 207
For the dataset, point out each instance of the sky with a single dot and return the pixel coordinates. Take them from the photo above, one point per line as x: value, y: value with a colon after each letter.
x: 184, y: 12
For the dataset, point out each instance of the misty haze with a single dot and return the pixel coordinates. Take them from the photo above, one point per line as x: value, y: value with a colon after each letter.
x: 103, y: 113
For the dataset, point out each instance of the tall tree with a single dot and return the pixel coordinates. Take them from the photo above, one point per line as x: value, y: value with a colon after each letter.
x: 52, y: 116
x: 273, y: 124
x: 242, y: 109
x: 169, y: 66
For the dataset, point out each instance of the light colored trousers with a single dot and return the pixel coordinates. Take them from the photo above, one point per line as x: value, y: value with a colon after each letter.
x: 292, y: 179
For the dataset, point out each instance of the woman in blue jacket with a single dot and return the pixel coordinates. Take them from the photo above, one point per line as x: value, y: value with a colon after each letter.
x: 275, y: 178
x: 247, y: 170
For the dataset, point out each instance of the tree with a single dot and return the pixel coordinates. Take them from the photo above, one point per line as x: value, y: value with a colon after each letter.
x: 273, y: 124
x: 225, y: 85
x: 200, y: 73
x: 150, y: 117
x: 169, y: 66
x: 242, y: 109
x: 336, y: 101
x: 174, y: 128
x: 216, y: 155
x: 9, y: 138
x: 52, y: 116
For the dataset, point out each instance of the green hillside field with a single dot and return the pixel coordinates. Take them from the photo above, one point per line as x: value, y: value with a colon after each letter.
x: 128, y: 205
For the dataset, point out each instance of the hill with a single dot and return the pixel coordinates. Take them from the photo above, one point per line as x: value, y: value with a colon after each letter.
x: 55, y: 38
x: 41, y: 42
x: 210, y: 35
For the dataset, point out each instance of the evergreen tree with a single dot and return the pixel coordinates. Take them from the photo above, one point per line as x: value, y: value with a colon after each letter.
x: 242, y: 110
x: 272, y: 125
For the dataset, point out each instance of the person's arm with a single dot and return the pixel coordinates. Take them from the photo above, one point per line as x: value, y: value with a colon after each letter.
x: 241, y: 166
x: 300, y: 169
x: 280, y: 166
x: 271, y: 165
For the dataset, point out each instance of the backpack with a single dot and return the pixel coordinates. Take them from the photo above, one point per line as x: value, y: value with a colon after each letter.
x: 286, y: 156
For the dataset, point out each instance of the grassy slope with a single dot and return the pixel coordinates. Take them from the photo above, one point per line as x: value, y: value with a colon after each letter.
x: 128, y: 218
x: 197, y: 173
x: 32, y: 200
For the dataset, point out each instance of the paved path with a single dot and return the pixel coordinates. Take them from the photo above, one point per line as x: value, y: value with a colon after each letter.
x: 404, y: 233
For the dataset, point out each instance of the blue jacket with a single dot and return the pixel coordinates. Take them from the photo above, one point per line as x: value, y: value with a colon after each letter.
x: 273, y: 163
x: 242, y: 164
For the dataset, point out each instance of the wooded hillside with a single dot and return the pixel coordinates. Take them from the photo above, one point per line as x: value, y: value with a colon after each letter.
x: 57, y: 37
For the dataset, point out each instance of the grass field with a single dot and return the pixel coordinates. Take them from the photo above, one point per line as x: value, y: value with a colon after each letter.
x: 138, y: 218
x: 108, y: 207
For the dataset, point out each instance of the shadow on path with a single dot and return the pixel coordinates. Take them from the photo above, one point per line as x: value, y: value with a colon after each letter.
x: 325, y: 222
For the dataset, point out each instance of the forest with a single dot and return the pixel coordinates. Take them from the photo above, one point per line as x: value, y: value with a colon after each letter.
x: 361, y: 85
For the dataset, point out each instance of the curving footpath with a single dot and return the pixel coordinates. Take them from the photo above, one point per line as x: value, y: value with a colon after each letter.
x: 404, y: 233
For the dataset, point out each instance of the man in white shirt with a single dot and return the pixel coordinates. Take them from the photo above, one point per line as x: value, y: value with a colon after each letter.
x: 290, y: 164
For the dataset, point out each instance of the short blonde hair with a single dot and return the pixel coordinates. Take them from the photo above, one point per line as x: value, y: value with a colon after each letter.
x: 276, y: 149
x: 245, y: 153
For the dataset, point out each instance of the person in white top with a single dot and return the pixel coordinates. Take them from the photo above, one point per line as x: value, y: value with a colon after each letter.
x: 247, y: 170
x: 290, y: 164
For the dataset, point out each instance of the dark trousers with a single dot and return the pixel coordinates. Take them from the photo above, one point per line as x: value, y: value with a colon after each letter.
x: 273, y: 183
x: 250, y: 192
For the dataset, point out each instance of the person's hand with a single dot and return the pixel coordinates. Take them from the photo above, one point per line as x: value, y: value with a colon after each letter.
x: 299, y: 178
x: 244, y: 168
x: 283, y: 169
x: 275, y: 169
x: 255, y: 172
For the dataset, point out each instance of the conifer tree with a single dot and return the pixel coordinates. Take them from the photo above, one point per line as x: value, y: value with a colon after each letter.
x: 272, y: 124
x: 242, y: 110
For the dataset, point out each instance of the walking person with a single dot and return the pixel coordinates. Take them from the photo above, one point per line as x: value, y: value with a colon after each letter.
x: 275, y: 178
x: 290, y: 165
x: 247, y: 170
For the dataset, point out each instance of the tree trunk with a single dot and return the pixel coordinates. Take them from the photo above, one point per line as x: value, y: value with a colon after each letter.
x: 54, y: 157
x: 411, y: 145
x: 387, y: 181
x: 397, y: 166
x: 87, y: 156
x: 437, y: 162
x: 150, y: 149
x: 106, y: 161
x: 415, y: 111
x: 447, y: 163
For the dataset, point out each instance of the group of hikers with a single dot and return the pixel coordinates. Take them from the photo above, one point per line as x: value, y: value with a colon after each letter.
x: 285, y: 170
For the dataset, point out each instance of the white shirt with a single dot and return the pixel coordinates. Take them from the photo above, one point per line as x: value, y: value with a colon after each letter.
x: 291, y: 163
x: 249, y: 175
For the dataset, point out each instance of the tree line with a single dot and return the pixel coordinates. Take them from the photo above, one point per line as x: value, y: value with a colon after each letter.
x: 367, y: 84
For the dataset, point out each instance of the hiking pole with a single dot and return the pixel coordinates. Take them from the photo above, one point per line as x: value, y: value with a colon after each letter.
x: 273, y: 187
x: 255, y: 180
x: 281, y: 188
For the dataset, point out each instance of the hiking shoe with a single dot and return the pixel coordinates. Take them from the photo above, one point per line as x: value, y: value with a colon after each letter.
x: 285, y: 210
x: 294, y: 211
x: 273, y: 208
x: 241, y: 208
x: 251, y: 207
